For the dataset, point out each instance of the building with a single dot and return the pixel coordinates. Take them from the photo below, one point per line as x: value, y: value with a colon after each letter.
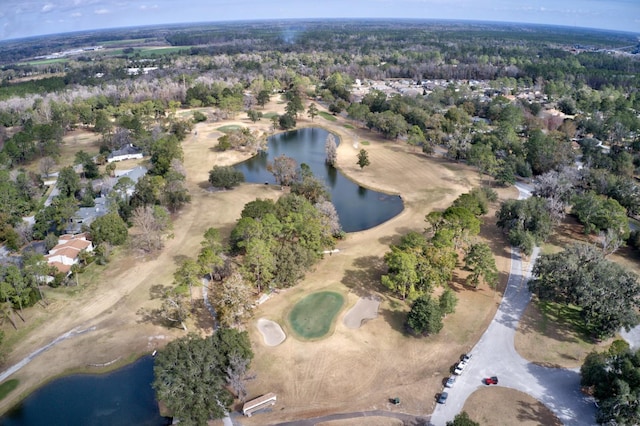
x: 84, y: 216
x: 129, y: 152
x: 66, y: 253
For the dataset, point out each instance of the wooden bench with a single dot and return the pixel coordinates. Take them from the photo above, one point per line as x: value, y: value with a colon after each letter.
x: 257, y: 404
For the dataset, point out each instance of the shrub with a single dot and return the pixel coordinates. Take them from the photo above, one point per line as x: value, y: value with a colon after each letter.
x: 225, y: 177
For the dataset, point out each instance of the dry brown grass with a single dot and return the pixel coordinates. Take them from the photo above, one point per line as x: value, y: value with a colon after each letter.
x: 347, y: 371
x: 503, y: 406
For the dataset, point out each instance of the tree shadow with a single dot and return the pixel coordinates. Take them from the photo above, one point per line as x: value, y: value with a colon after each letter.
x: 201, y: 316
x: 536, y: 412
x: 179, y: 258
x: 152, y: 316
x: 396, y: 318
x: 157, y: 291
x: 365, y: 279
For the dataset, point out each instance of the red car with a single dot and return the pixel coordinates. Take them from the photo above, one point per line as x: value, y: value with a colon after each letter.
x: 493, y: 380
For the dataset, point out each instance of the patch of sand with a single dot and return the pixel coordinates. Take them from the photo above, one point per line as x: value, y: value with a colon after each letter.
x: 272, y: 333
x: 366, y: 308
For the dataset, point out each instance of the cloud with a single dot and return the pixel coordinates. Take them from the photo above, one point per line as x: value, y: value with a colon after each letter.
x: 102, y: 11
x: 76, y: 14
x: 145, y: 7
x: 47, y: 8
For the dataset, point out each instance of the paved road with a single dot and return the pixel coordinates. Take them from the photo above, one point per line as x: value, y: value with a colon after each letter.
x: 494, y: 354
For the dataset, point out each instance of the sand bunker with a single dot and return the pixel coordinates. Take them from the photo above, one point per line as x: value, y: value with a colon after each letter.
x: 364, y: 310
x: 271, y: 332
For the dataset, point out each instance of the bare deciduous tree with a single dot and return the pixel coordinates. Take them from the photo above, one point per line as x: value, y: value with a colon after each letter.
x: 232, y: 300
x: 283, y: 169
x: 330, y: 150
x: 46, y: 164
x: 152, y: 222
x: 237, y: 375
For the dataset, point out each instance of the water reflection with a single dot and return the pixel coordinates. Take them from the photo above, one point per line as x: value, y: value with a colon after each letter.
x: 358, y: 208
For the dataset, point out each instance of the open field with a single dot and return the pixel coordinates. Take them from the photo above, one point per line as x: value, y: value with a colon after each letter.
x: 503, y: 406
x: 377, y: 360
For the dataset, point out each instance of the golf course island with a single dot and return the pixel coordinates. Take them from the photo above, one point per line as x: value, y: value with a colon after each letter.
x: 312, y: 317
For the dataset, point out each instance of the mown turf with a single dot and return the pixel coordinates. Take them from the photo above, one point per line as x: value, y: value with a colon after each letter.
x: 311, y: 318
x: 327, y: 116
x: 229, y: 128
x: 7, y: 387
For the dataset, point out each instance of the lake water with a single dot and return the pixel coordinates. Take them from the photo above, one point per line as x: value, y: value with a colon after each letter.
x: 358, y: 208
x: 123, y: 397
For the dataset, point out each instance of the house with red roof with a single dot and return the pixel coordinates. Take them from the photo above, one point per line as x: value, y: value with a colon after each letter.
x: 66, y: 253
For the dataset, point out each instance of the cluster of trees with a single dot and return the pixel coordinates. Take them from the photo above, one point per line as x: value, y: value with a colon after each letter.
x: 242, y: 139
x: 596, y: 197
x: 197, y: 378
x: 280, y: 241
x: 613, y: 377
x: 607, y: 294
x: 272, y: 246
x: 418, y: 264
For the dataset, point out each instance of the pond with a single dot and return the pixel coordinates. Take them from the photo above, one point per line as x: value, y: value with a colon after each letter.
x: 358, y: 208
x: 123, y: 397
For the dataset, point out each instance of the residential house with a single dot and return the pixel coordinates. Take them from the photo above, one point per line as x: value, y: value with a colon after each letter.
x: 129, y: 152
x: 86, y: 215
x: 66, y: 253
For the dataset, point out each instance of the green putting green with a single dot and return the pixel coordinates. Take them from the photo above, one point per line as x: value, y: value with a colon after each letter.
x: 311, y: 318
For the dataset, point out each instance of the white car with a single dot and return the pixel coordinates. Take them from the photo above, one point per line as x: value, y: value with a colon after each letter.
x: 460, y: 367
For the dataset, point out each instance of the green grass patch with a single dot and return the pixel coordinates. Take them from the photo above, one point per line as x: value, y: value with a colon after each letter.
x: 556, y: 314
x: 348, y: 126
x: 365, y: 143
x: 162, y: 50
x: 229, y: 128
x: 7, y: 387
x: 327, y: 116
x: 45, y: 61
x: 270, y: 115
x: 124, y: 42
x: 311, y: 318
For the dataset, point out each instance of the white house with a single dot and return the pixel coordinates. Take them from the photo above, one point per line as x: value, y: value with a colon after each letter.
x: 129, y: 152
x: 66, y: 252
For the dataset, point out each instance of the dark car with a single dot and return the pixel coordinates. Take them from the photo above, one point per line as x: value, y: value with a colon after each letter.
x: 493, y: 380
x: 443, y: 398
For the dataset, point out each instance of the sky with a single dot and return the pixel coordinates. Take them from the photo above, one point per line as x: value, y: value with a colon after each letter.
x: 23, y: 18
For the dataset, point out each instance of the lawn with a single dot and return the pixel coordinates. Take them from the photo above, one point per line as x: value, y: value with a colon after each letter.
x: 348, y: 126
x: 229, y: 128
x: 327, y: 116
x: 7, y: 387
x: 311, y: 318
x: 365, y: 143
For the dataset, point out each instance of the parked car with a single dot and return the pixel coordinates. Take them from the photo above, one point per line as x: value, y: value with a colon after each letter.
x: 493, y: 380
x: 450, y: 381
x: 443, y: 398
x: 459, y: 368
x: 465, y: 357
